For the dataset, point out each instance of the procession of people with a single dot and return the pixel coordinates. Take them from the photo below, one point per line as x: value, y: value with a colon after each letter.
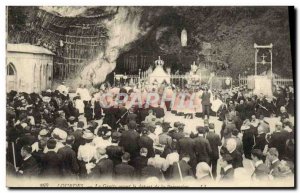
x: 57, y: 134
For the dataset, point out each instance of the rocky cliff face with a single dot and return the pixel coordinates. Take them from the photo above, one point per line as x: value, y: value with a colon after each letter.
x: 231, y: 32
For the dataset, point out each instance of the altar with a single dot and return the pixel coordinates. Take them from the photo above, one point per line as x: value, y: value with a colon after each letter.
x: 159, y: 75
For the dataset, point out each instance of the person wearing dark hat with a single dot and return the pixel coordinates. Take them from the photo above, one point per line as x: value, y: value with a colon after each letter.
x: 205, y: 103
x: 78, y: 132
x: 227, y: 172
x: 146, y: 142
x: 51, y: 161
x: 103, y: 136
x: 88, y: 111
x: 140, y: 162
x: 215, y: 143
x: 278, y: 139
x: 180, y: 132
x: 29, y: 166
x: 261, y: 171
x: 124, y: 171
x: 72, y: 122
x: 164, y: 138
x: 129, y: 140
x: 202, y: 147
x: 185, y: 145
x: 248, y: 138
x: 114, y: 151
x: 70, y: 165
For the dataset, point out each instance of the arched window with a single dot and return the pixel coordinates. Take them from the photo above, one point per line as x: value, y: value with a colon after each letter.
x: 11, y: 78
x: 11, y: 70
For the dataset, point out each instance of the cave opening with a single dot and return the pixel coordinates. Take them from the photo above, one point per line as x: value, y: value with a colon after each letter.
x: 163, y: 40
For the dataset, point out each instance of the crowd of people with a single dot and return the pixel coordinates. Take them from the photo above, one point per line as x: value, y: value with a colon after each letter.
x: 55, y: 135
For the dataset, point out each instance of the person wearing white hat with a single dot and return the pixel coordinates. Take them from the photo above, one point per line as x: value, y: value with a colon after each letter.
x: 203, y: 173
x: 87, y: 151
x: 237, y: 158
x: 102, y: 141
x: 60, y: 137
x: 248, y: 138
x: 43, y: 135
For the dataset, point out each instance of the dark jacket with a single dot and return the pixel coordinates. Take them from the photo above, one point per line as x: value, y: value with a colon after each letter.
x: 260, y: 142
x: 30, y: 167
x: 61, y: 123
x: 103, y: 169
x: 129, y: 140
x: 159, y: 112
x: 261, y: 172
x: 52, y: 164
x: 124, y: 171
x: 146, y: 142
x: 227, y: 129
x: 205, y: 98
x: 186, y: 146
x: 151, y: 171
x: 69, y: 161
x: 115, y: 153
x: 278, y: 140
x: 178, y: 135
x: 215, y: 142
x: 186, y: 170
x: 202, y: 149
x: 237, y: 159
x: 139, y: 163
x: 227, y: 176
x: 131, y: 117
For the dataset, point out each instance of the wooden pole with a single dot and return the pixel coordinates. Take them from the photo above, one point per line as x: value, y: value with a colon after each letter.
x: 14, y: 155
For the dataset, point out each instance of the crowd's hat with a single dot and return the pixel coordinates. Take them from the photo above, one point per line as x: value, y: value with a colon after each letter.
x: 51, y: 143
x: 200, y: 129
x: 106, y: 135
x: 245, y: 127
x: 101, y: 150
x: 59, y: 134
x: 177, y: 124
x: 72, y: 118
x: 115, y: 136
x: 87, y: 134
x: 145, y: 131
x: 166, y: 125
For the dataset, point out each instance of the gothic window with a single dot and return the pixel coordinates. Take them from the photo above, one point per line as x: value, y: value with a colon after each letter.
x: 11, y: 70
